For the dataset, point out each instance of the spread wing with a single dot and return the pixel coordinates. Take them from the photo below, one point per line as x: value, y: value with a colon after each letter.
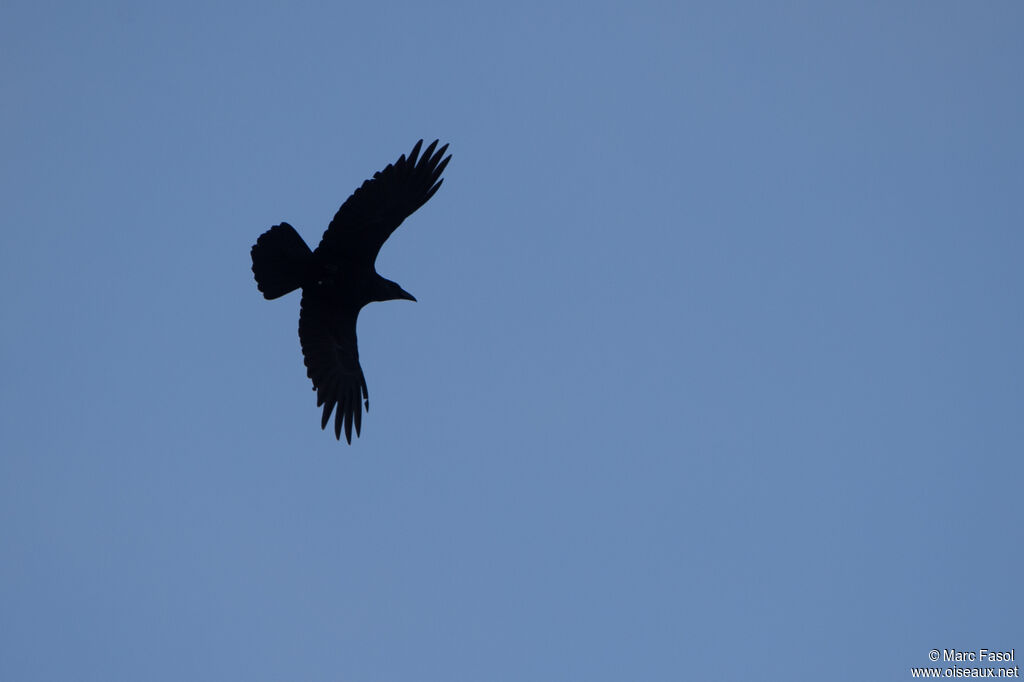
x: 378, y: 207
x: 328, y: 337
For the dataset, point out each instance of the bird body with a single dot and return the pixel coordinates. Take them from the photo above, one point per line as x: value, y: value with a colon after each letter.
x: 339, y: 277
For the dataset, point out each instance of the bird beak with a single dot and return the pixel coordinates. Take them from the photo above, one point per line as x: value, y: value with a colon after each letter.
x: 406, y: 295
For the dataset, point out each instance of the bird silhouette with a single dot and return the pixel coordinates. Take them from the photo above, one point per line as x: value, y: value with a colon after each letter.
x: 339, y: 277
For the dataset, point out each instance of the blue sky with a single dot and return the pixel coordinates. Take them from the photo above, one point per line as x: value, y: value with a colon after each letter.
x: 715, y: 372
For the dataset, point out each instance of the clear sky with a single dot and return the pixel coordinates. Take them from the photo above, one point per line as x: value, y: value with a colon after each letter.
x: 716, y: 370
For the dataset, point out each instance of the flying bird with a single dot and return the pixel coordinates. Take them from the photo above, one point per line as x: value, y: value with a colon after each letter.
x: 340, y: 277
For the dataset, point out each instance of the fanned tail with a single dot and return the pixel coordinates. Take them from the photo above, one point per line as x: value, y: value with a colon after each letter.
x: 280, y: 261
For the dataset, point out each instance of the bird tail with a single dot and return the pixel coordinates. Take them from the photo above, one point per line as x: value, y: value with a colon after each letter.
x: 280, y: 261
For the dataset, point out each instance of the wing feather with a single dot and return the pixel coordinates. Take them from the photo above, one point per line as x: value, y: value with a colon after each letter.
x: 331, y: 354
x: 375, y: 210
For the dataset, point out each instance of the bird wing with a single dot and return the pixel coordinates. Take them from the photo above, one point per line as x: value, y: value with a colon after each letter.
x: 328, y: 337
x: 378, y: 207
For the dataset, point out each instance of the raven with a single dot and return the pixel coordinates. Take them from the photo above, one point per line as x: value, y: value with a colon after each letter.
x: 339, y: 277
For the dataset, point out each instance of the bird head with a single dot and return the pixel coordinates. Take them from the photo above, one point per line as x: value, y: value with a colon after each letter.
x: 386, y: 290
